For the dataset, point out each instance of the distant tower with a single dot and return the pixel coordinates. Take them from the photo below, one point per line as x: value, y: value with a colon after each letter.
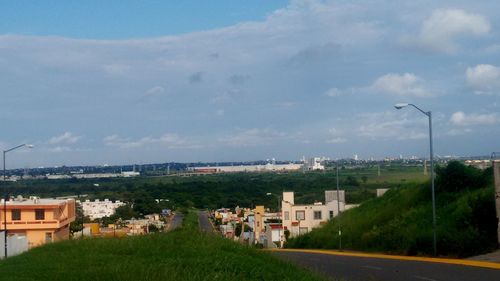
x: 355, y: 157
x: 425, y: 167
x: 168, y: 169
x: 378, y: 169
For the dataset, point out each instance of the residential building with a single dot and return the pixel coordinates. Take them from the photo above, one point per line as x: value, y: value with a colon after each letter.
x: 39, y: 220
x: 300, y: 219
x: 98, y: 209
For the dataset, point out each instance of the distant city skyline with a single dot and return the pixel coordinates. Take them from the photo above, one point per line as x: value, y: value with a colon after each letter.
x: 126, y: 82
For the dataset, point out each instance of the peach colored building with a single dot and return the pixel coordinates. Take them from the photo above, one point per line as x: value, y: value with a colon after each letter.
x: 40, y: 220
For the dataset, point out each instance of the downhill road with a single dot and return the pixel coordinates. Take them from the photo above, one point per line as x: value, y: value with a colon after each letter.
x: 204, y: 223
x: 176, y: 221
x: 355, y: 268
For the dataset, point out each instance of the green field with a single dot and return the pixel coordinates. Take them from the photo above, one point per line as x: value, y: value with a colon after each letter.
x: 183, y: 254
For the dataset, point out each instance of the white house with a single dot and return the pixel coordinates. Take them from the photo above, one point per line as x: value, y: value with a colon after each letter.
x: 98, y: 209
x: 300, y: 219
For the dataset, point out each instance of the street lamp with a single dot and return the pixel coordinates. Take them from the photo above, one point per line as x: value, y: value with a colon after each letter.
x: 429, y: 115
x: 5, y: 194
x: 282, y: 234
x: 338, y: 207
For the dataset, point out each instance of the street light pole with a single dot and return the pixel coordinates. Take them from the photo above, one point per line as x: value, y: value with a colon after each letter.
x: 429, y: 115
x: 338, y: 207
x: 5, y: 194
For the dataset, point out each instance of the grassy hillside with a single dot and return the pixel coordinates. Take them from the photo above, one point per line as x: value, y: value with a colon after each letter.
x: 184, y: 254
x: 401, y: 221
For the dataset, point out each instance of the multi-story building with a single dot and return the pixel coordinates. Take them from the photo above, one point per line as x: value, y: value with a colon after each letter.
x: 98, y: 209
x: 300, y: 219
x: 39, y: 220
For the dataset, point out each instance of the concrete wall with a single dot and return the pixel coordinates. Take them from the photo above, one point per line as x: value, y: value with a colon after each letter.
x: 16, y: 244
x: 496, y: 174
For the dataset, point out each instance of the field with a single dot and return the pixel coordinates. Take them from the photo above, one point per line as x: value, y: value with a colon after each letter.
x: 184, y: 254
x: 228, y: 190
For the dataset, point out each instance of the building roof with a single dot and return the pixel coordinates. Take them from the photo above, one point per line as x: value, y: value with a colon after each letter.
x: 36, y: 202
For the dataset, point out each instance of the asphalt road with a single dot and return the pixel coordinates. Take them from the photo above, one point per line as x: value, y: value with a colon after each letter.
x: 204, y: 222
x: 373, y: 269
x: 176, y: 221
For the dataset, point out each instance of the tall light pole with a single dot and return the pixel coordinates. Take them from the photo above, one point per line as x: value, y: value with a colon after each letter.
x: 6, y: 195
x: 338, y: 207
x: 429, y: 115
x: 282, y: 234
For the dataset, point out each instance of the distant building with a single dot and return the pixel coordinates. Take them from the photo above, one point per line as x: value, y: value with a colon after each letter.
x: 381, y: 191
x: 480, y: 164
x: 98, y: 209
x: 39, y: 220
x: 269, y: 167
x: 315, y: 164
x: 300, y: 219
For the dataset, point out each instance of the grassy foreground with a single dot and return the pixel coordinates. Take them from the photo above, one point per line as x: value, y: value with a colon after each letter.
x: 183, y: 254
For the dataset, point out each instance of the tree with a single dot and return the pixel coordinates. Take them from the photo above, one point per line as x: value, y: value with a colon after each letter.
x: 364, y: 179
x: 456, y: 177
x: 352, y: 181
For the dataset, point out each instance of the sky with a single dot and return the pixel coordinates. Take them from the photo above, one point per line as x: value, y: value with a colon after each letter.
x: 121, y: 82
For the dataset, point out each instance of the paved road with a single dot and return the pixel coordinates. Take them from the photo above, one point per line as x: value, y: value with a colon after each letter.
x: 176, y: 221
x: 372, y: 269
x: 204, y: 223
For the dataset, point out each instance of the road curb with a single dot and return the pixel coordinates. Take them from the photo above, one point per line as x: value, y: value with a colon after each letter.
x: 483, y: 264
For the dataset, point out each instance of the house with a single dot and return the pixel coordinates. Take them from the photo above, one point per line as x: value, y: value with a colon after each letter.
x: 39, y: 220
x: 98, y: 209
x: 300, y: 219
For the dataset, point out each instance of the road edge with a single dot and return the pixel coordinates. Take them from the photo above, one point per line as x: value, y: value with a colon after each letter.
x: 484, y: 264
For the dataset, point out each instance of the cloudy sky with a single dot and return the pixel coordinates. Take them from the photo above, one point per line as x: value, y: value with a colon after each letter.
x: 142, y: 82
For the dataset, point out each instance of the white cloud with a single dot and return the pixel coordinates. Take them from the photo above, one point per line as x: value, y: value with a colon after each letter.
x: 66, y: 138
x: 483, y: 78
x: 458, y: 131
x: 334, y: 92
x: 407, y: 84
x: 155, y: 90
x: 255, y: 137
x: 440, y: 31
x: 337, y: 140
x: 390, y: 125
x: 335, y: 136
x: 461, y: 119
x: 170, y: 141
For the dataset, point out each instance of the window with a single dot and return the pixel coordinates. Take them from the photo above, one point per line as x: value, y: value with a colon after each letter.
x: 16, y: 215
x: 300, y: 215
x: 331, y: 214
x: 287, y: 215
x: 48, y: 237
x: 317, y: 215
x: 303, y: 230
x: 40, y: 214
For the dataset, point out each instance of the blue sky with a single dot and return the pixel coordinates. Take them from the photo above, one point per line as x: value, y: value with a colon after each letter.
x: 155, y: 81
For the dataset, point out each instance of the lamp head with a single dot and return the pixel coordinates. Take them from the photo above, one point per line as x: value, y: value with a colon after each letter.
x: 30, y: 146
x: 400, y: 105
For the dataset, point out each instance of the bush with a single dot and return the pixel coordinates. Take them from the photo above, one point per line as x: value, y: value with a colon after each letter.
x: 456, y: 176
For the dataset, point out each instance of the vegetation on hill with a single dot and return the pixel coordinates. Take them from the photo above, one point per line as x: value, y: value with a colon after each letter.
x: 183, y: 254
x: 401, y: 220
x: 223, y: 190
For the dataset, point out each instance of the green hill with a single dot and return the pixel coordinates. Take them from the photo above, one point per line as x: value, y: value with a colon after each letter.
x: 183, y: 254
x: 400, y: 222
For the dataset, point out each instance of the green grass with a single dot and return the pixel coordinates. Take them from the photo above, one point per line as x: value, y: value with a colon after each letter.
x: 400, y: 222
x: 183, y: 254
